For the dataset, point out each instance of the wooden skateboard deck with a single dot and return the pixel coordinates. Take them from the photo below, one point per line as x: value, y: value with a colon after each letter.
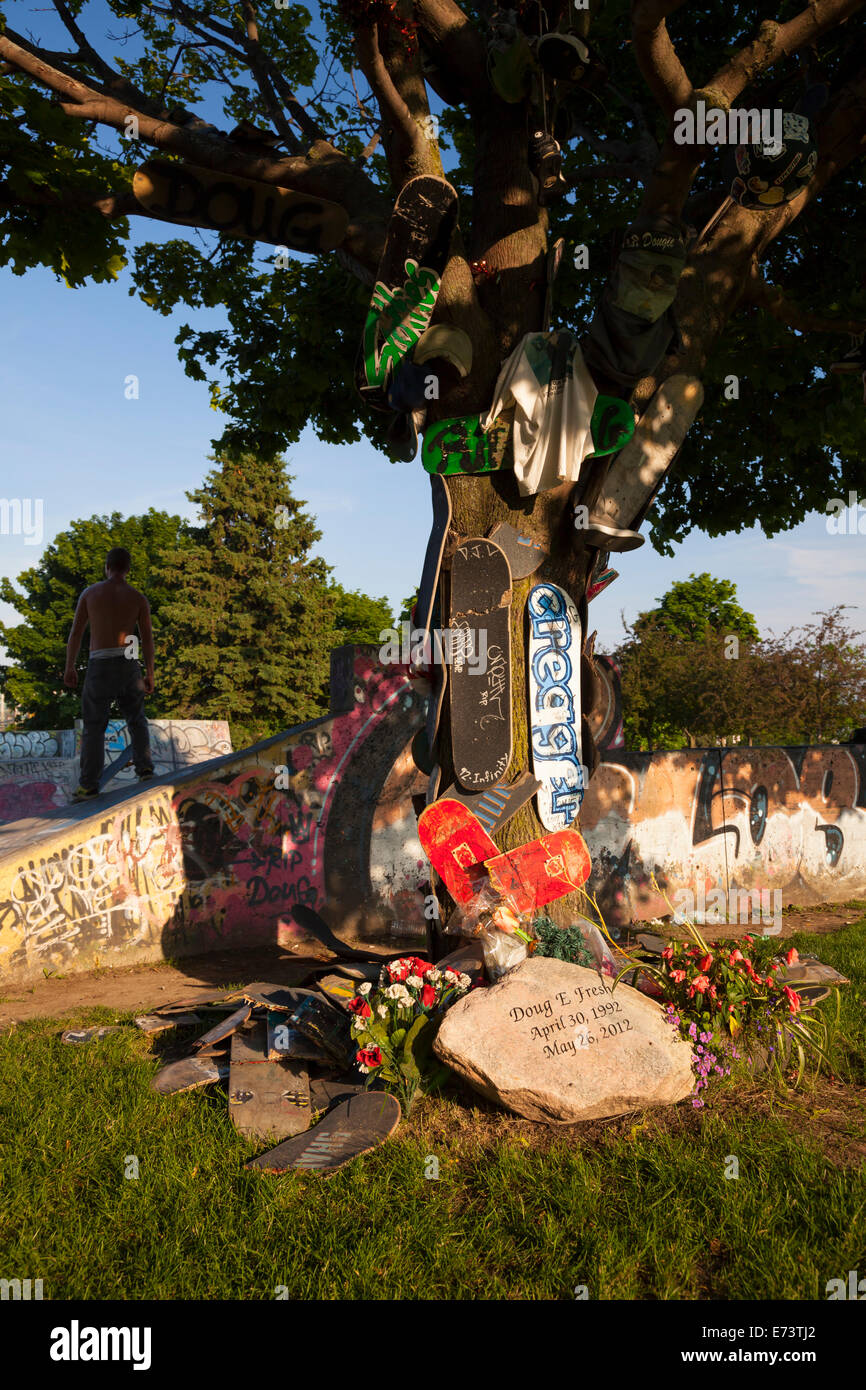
x: 267, y: 1100
x: 611, y: 426
x: 310, y: 920
x: 480, y: 699
x: 327, y: 1091
x: 553, y: 681
x: 338, y: 990
x: 351, y: 1129
x: 325, y: 1025
x: 197, y: 197
x: 225, y: 1027
x: 188, y: 1073
x: 462, y: 446
x: 523, y: 553
x: 454, y: 841
x: 428, y: 588
x: 155, y: 1023
x: 541, y: 871
x: 287, y: 1042
x: 282, y: 998
x: 407, y: 284
x: 498, y: 804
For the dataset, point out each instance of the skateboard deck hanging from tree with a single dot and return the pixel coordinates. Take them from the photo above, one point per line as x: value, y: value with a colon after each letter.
x: 494, y: 807
x: 195, y: 197
x: 460, y: 445
x: 480, y: 661
x: 407, y: 284
x: 523, y: 553
x: 429, y: 585
x: 454, y: 841
x: 553, y: 686
x: 611, y: 426
x: 541, y: 871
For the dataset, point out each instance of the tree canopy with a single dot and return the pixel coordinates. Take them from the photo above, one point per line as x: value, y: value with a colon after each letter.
x: 348, y: 101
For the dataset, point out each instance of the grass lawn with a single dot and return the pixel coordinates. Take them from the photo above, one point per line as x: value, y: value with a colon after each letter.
x: 634, y: 1208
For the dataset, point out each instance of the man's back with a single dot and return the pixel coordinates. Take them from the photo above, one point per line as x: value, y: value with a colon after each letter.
x: 113, y: 609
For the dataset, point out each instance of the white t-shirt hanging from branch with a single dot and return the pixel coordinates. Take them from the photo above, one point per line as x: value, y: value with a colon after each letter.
x: 548, y: 382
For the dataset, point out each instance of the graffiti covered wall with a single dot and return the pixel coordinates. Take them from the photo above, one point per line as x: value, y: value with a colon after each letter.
x: 217, y: 856
x: 792, y: 819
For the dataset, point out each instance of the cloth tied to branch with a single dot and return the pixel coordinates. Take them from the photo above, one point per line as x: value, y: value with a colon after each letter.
x: 547, y: 381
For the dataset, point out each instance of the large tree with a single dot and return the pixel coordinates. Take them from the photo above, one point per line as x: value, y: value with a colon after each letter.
x: 348, y: 112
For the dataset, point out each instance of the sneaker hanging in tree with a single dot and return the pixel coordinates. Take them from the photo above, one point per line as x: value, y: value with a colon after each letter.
x: 545, y: 162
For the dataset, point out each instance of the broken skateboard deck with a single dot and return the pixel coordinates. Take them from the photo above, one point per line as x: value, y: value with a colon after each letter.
x: 225, y: 1027
x: 327, y: 1026
x: 480, y: 664
x: 523, y: 553
x: 155, y: 1023
x: 240, y: 207
x: 553, y: 682
x: 428, y: 588
x: 267, y: 1100
x: 454, y: 841
x: 498, y: 804
x: 284, y: 1041
x: 187, y: 1073
x: 407, y: 284
x: 541, y: 871
x: 350, y: 1129
x: 460, y: 445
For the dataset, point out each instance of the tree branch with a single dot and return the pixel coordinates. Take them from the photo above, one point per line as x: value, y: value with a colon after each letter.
x: 456, y: 46
x: 407, y: 148
x: 775, y: 41
x: 777, y: 303
x: 324, y: 172
x: 656, y: 56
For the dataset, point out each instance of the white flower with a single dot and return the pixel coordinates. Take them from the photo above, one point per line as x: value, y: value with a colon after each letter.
x: 464, y: 981
x: 364, y: 989
x: 382, y: 1010
x: 399, y: 992
x: 362, y: 1068
x: 433, y: 976
x: 451, y: 976
x: 414, y: 981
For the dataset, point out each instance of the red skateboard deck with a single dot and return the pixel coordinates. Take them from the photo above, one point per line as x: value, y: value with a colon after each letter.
x: 454, y: 840
x: 541, y: 871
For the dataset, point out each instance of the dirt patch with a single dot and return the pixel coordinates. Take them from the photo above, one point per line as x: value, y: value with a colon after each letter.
x: 143, y: 987
x: 823, y: 919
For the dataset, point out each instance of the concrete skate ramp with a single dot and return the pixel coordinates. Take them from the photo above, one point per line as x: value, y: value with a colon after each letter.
x: 216, y: 856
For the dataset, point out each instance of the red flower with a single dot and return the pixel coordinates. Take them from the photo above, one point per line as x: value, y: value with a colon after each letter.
x: 792, y: 957
x: 678, y: 976
x: 700, y: 984
x: 400, y: 970
x: 706, y: 962
x: 735, y: 956
x: 668, y: 953
x: 428, y: 996
x: 360, y: 1007
x: 793, y: 999
x: 421, y: 966
x: 369, y: 1057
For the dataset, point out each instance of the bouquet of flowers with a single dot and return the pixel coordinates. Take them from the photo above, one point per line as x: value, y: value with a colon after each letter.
x: 395, y: 1023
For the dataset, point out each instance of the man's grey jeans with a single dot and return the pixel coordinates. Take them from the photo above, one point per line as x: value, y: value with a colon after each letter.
x: 119, y: 680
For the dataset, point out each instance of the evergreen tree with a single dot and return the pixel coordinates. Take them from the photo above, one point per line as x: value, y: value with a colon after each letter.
x: 36, y: 646
x: 251, y: 620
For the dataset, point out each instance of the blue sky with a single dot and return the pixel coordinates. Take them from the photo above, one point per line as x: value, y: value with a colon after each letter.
x: 70, y: 437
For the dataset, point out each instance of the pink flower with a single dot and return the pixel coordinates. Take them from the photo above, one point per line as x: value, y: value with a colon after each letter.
x: 706, y: 962
x: 678, y: 976
x: 792, y: 957
x: 735, y: 956
x: 700, y: 985
x: 668, y: 953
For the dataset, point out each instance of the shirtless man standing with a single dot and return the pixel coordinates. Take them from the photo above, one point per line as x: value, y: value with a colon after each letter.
x: 113, y: 609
